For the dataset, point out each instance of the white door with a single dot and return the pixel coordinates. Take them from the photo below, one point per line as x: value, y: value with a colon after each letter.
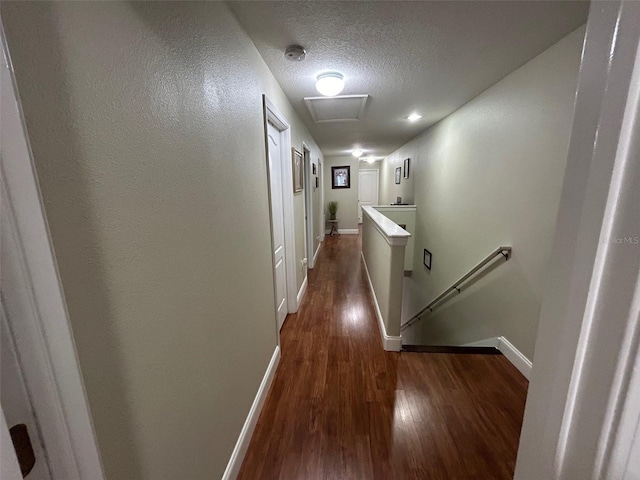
x: 17, y: 310
x: 367, y: 190
x: 277, y: 215
x: 18, y: 410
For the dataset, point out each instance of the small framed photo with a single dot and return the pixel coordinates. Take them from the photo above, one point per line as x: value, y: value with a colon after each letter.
x: 426, y: 259
x: 296, y: 159
x: 313, y: 168
x: 316, y: 182
x: 398, y: 174
x: 341, y: 177
x: 406, y: 167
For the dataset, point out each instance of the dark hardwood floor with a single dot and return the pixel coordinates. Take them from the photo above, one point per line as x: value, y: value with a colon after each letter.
x: 340, y: 407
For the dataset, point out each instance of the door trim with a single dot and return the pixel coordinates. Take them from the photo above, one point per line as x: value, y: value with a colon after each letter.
x: 581, y: 418
x: 67, y: 415
x: 273, y: 115
x: 308, y: 204
x: 9, y: 468
x: 321, y: 221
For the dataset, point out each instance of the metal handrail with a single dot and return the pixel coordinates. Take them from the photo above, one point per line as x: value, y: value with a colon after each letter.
x: 504, y: 251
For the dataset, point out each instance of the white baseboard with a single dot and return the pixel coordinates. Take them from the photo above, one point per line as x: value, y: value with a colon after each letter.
x: 344, y: 231
x: 315, y: 255
x: 302, y: 291
x: 522, y: 363
x: 389, y: 343
x: 487, y: 342
x: 240, y: 450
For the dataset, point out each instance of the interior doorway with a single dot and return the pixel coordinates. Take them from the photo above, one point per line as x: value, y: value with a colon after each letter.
x: 44, y: 411
x: 367, y: 189
x: 274, y: 143
x: 309, y: 185
x: 278, y: 144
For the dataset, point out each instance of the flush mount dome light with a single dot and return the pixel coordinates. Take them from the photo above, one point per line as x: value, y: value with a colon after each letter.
x: 371, y: 160
x: 414, y: 117
x: 357, y: 153
x: 330, y: 84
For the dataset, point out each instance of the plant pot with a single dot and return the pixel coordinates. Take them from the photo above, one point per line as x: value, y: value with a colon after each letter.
x: 332, y: 217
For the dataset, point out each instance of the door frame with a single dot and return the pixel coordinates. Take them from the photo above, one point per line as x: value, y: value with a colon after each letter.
x: 582, y: 417
x: 377, y: 189
x: 49, y: 362
x: 308, y: 204
x: 273, y: 115
x: 321, y: 221
x: 9, y: 468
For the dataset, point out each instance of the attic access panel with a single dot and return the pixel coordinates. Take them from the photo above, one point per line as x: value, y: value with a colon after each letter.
x: 342, y: 108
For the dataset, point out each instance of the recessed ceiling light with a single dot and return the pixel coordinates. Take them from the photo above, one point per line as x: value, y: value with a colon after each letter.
x: 330, y: 84
x: 357, y: 153
x: 414, y: 117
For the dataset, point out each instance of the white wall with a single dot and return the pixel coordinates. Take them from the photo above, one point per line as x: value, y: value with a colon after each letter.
x: 384, y: 264
x: 347, y: 198
x: 389, y: 190
x: 371, y: 166
x: 147, y: 130
x: 490, y: 174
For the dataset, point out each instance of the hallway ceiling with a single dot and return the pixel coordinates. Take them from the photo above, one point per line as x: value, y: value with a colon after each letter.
x: 424, y: 56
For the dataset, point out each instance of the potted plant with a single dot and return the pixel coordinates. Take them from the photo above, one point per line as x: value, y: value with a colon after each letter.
x: 333, y: 209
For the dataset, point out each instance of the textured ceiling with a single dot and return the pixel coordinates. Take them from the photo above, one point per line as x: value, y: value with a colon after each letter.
x: 429, y: 57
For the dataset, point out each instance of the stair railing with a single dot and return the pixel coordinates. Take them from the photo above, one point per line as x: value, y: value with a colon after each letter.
x: 504, y: 251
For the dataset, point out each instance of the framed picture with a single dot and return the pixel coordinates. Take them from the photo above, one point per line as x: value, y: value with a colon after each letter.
x: 406, y: 167
x: 316, y: 182
x: 398, y: 174
x: 426, y: 259
x: 314, y: 168
x: 341, y: 177
x: 296, y: 159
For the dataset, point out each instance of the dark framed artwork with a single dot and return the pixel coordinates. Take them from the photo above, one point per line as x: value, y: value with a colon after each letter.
x: 313, y: 168
x: 426, y: 259
x: 341, y: 177
x: 406, y: 167
x: 316, y: 182
x: 398, y: 174
x: 296, y: 161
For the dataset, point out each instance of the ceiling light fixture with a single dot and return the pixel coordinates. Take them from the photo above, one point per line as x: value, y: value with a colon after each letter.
x: 371, y: 160
x: 357, y: 153
x: 414, y: 117
x: 330, y: 84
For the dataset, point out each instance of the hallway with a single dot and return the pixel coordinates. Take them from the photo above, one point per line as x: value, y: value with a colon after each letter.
x: 340, y: 407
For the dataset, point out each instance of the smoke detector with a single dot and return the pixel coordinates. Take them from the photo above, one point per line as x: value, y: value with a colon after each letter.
x: 295, y: 53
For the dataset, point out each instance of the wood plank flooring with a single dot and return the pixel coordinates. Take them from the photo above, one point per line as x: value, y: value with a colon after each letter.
x: 340, y: 407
